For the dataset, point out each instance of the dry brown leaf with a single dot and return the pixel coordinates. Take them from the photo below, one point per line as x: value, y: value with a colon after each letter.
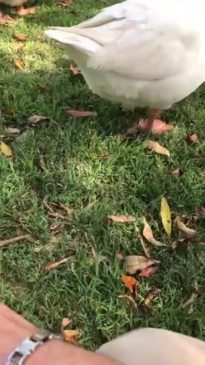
x: 8, y: 111
x: 65, y: 3
x: 152, y: 295
x: 120, y: 256
x: 188, y: 232
x: 74, y: 69
x: 144, y: 247
x: 165, y: 214
x: 65, y: 323
x: 18, y: 46
x: 130, y: 283
x: 156, y: 147
x: 190, y: 300
x: 19, y: 64
x: 5, y: 149
x: 148, y: 271
x: 121, y: 218
x: 19, y: 37
x: 50, y: 206
x: 192, y: 138
x: 128, y: 297
x: 35, y: 119
x: 56, y: 227
x: 9, y: 241
x: 42, y: 163
x: 69, y: 334
x: 80, y: 113
x: 134, y: 263
x: 54, y: 265
x: 69, y: 211
x: 148, y: 235
x: 5, y: 19
x: 12, y: 131
x: 177, y: 172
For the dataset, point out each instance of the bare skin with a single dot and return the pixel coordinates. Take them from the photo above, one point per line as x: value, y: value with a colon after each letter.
x: 15, y: 329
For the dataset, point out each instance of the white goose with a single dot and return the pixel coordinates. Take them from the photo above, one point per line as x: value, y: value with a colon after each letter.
x: 141, y: 53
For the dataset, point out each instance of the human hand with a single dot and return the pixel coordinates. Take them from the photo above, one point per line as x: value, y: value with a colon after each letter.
x: 14, y: 329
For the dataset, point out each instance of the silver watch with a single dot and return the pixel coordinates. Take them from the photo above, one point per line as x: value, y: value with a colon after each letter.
x: 28, y: 346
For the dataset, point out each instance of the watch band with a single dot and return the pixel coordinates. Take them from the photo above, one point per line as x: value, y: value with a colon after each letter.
x: 28, y: 346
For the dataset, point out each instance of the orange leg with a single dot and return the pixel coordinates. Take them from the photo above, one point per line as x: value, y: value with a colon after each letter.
x: 153, y: 123
x: 21, y: 11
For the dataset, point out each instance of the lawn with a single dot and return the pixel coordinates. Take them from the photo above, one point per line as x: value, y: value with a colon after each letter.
x: 87, y: 165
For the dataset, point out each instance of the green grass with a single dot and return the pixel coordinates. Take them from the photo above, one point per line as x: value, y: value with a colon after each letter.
x: 130, y: 180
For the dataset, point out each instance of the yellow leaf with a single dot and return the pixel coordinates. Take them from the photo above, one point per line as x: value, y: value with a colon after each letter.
x: 6, y: 150
x: 166, y: 216
x: 157, y: 148
x: 19, y: 64
x: 70, y: 336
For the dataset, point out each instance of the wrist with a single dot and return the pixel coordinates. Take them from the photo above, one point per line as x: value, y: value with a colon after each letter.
x: 53, y: 352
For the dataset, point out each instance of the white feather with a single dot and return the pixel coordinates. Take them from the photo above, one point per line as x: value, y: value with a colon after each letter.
x: 140, y: 52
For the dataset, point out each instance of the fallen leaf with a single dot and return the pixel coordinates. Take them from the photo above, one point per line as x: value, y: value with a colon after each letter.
x: 202, y: 210
x: 5, y: 19
x: 35, y: 119
x: 65, y: 323
x: 5, y: 150
x: 56, y: 227
x: 42, y: 163
x: 130, y: 283
x: 177, y: 172
x: 51, y: 212
x: 27, y: 11
x: 144, y: 247
x: 80, y: 113
x: 128, y: 297
x: 158, y: 126
x: 148, y: 235
x: 121, y: 218
x: 97, y: 257
x: 188, y: 232
x: 119, y: 256
x: 190, y: 300
x: 69, y: 211
x: 152, y: 295
x: 43, y: 88
x: 69, y: 334
x: 134, y: 263
x: 12, y: 130
x: 148, y: 271
x: 65, y: 3
x: 8, y: 111
x: 9, y: 241
x: 19, y: 64
x: 166, y: 216
x: 54, y: 265
x: 74, y: 69
x: 202, y: 173
x: 192, y: 138
x: 18, y: 46
x: 156, y: 147
x: 19, y: 37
